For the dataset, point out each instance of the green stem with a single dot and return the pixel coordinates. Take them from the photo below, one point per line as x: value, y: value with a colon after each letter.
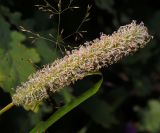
x: 9, y: 106
x: 42, y: 126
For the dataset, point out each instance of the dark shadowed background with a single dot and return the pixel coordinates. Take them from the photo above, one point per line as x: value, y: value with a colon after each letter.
x: 128, y: 101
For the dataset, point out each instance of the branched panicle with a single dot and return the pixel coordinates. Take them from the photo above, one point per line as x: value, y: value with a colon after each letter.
x: 90, y: 57
x: 58, y: 11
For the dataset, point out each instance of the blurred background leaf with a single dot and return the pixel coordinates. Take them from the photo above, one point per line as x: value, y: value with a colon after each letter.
x: 150, y: 117
x: 15, y: 66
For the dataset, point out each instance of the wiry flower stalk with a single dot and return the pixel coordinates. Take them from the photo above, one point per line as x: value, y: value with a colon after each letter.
x: 88, y: 58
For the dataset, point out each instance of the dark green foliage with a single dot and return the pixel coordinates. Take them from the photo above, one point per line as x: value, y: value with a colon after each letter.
x: 130, y: 92
x: 15, y: 66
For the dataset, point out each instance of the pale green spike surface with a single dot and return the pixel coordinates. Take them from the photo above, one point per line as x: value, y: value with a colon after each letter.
x: 90, y: 57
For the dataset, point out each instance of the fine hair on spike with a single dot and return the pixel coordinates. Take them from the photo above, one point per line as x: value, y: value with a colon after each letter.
x: 90, y: 57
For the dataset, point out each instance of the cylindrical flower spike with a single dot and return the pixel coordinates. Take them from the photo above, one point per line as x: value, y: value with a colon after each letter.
x: 88, y: 58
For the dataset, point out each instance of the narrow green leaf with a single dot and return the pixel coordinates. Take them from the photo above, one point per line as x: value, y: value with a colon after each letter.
x: 43, y: 125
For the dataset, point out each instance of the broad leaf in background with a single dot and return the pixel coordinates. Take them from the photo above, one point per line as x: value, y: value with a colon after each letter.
x: 23, y: 57
x: 14, y: 18
x: 150, y: 117
x: 4, y: 33
x: 17, y: 63
x: 47, y: 54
